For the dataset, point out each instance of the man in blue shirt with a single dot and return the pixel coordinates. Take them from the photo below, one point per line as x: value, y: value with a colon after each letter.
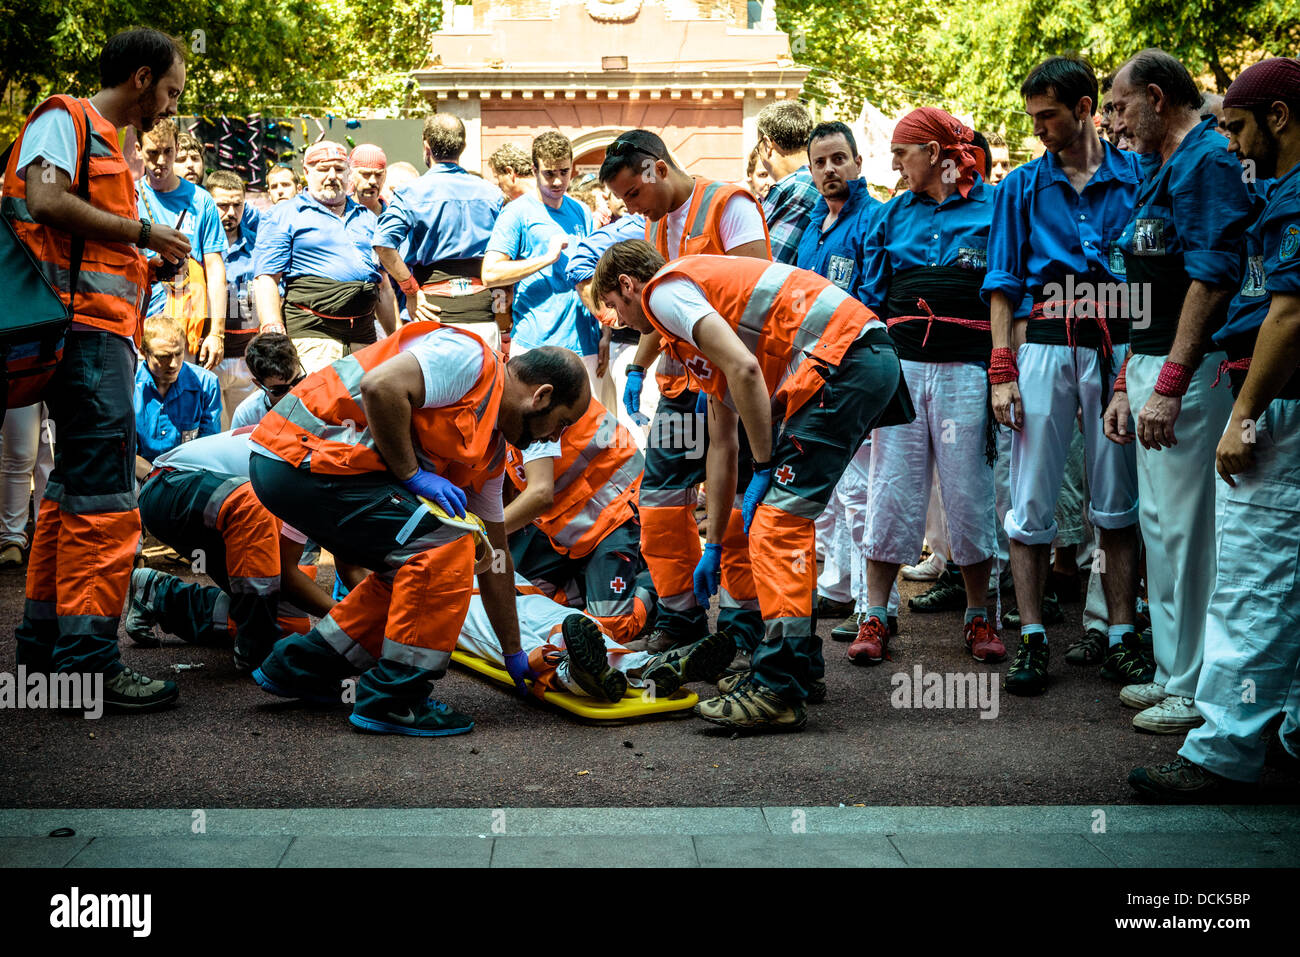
x: 924, y: 260
x: 320, y: 243
x: 175, y: 400
x: 1056, y: 220
x: 227, y: 191
x: 1254, y: 614
x: 1183, y: 245
x: 617, y: 343
x: 783, y: 130
x: 432, y: 237
x: 527, y: 250
x: 831, y: 246
x: 167, y: 199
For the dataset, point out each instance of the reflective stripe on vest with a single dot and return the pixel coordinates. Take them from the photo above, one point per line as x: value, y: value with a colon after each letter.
x: 113, y: 285
x: 322, y: 423
x: 785, y: 316
x: 595, y: 491
x: 705, y: 218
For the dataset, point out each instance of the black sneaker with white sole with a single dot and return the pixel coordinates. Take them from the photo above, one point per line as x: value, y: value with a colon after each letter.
x: 589, y: 661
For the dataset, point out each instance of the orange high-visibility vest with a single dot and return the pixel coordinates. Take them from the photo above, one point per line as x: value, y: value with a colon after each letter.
x: 323, y: 423
x: 793, y: 320
x: 597, y: 477
x: 114, y: 282
x: 702, y: 235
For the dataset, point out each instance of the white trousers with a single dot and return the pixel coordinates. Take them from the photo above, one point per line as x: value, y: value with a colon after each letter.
x: 236, y: 385
x: 948, y: 438
x: 1177, y: 496
x: 844, y: 568
x: 621, y: 355
x: 1055, y: 382
x: 540, y: 621
x: 21, y: 439
x: 1251, y: 671
x: 316, y: 353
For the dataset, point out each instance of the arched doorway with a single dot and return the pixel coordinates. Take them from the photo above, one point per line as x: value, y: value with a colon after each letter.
x: 589, y: 150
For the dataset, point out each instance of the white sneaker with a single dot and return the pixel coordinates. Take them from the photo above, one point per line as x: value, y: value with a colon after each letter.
x: 1143, y: 696
x: 1174, y: 715
x: 926, y: 571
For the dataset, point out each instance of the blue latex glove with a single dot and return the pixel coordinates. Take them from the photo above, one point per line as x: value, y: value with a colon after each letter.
x: 702, y: 403
x: 632, y: 396
x: 708, y: 575
x: 758, y: 487
x: 439, y: 491
x: 518, y: 669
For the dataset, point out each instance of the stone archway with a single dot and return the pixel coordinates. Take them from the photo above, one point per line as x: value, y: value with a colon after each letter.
x: 589, y: 149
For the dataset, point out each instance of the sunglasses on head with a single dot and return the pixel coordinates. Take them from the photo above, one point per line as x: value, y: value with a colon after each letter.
x: 622, y: 148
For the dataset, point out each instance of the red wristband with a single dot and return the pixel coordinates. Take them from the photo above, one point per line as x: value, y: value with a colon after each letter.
x: 410, y: 287
x: 1002, y: 367
x: 1121, y: 380
x: 1173, y: 379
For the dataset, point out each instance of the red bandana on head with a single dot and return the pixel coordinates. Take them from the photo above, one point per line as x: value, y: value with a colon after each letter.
x: 954, y: 138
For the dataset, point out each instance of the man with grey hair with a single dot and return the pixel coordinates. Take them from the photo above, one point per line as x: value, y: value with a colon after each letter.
x: 512, y: 171
x: 1182, y: 247
x: 783, y: 131
x: 432, y: 237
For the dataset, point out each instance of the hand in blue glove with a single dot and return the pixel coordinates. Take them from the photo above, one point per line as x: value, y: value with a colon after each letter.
x: 438, y: 490
x: 632, y: 396
x: 518, y: 669
x: 708, y: 575
x: 702, y: 403
x: 754, y: 493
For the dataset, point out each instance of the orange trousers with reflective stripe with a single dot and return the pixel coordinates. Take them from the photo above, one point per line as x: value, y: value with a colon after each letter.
x: 81, y: 562
x: 423, y: 605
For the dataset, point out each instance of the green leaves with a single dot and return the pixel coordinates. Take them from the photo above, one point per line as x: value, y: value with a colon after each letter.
x: 969, y: 56
x: 282, y: 56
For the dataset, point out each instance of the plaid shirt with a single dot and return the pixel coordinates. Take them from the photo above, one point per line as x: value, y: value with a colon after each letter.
x: 787, y: 209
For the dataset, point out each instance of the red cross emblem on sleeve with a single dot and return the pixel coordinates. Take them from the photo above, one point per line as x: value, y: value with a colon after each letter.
x: 699, y: 367
x: 617, y: 584
x: 784, y: 475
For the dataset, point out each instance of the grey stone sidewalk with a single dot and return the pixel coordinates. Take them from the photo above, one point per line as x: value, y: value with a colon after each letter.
x: 1119, y: 836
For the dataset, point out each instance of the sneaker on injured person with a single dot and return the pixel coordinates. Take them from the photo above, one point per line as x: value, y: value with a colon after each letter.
x: 131, y: 691
x: 141, y: 607
x: 751, y: 706
x: 589, y: 662
x: 429, y: 718
x: 705, y: 660
x: 1174, y: 715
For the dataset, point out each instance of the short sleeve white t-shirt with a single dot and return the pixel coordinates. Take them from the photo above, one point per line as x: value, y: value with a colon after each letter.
x: 678, y: 304
x: 742, y: 222
x: 450, y: 364
x: 541, y: 450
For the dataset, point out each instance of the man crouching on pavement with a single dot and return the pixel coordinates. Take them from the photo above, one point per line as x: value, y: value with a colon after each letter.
x: 768, y: 343
x: 348, y: 456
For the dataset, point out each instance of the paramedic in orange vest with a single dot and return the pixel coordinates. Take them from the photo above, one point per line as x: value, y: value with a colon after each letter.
x: 87, y: 526
x: 575, y: 518
x: 199, y: 501
x: 770, y: 344
x: 350, y: 456
x: 684, y: 215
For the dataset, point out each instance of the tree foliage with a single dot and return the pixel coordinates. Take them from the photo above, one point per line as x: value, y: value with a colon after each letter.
x: 970, y: 56
x: 241, y: 55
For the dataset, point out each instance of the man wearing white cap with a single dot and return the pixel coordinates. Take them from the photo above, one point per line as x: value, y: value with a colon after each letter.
x: 319, y: 244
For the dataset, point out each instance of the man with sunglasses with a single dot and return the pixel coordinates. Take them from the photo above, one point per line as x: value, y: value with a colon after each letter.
x: 275, y: 369
x: 684, y: 215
